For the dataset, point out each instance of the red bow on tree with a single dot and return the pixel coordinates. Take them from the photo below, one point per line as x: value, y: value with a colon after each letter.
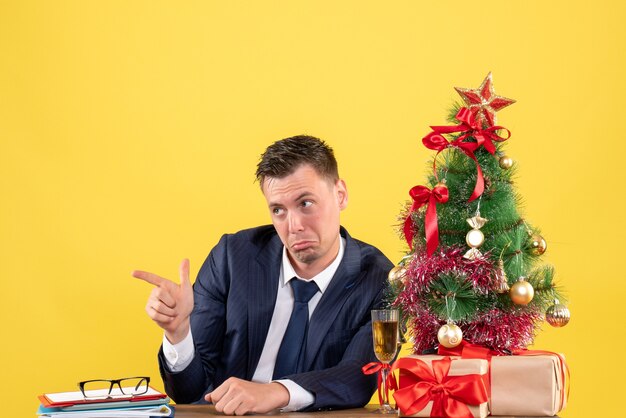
x: 421, y: 196
x: 469, y: 127
x: 450, y: 394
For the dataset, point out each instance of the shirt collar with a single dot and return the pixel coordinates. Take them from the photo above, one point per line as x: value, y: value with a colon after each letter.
x: 322, y: 279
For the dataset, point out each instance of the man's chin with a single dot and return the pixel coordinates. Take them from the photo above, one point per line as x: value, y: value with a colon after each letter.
x: 306, y: 256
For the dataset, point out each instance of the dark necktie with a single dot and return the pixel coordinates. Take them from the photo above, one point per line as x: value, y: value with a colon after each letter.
x: 291, y: 351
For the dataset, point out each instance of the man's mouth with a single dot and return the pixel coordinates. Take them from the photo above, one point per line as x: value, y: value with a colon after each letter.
x: 301, y: 245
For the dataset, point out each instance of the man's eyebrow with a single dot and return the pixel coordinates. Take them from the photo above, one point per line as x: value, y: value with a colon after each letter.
x: 301, y: 196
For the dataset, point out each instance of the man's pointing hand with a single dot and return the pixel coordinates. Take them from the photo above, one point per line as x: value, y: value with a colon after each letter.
x: 170, y: 304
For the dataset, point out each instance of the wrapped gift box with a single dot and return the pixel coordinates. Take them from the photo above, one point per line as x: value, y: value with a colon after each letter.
x: 531, y: 385
x: 458, y: 367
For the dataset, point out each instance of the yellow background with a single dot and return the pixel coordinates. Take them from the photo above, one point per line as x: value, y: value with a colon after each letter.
x: 130, y: 130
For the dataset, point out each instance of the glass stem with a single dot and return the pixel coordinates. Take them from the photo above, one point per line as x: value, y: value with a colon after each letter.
x: 383, y: 386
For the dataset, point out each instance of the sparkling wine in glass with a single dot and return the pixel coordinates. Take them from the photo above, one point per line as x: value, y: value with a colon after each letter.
x: 385, y: 333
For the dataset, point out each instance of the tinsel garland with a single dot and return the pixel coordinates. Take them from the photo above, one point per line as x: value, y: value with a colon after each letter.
x: 495, y: 328
x: 423, y: 269
x: 499, y: 330
x: 503, y: 330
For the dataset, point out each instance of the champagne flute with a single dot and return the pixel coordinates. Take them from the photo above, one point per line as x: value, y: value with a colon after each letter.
x: 385, y: 333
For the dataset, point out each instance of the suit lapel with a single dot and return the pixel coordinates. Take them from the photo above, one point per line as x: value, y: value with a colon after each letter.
x: 333, y: 299
x: 263, y: 273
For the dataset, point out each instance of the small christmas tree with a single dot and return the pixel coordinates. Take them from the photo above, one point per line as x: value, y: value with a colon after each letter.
x: 473, y: 270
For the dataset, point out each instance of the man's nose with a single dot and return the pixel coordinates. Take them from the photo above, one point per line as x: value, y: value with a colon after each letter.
x: 295, y: 222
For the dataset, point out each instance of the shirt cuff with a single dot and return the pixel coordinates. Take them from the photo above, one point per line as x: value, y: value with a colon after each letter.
x: 178, y: 356
x: 298, y: 396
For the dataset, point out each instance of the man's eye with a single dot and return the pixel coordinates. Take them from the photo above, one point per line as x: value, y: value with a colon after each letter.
x: 277, y: 211
x: 306, y: 203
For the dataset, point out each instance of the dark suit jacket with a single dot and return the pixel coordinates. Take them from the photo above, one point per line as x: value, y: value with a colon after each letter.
x: 234, y: 298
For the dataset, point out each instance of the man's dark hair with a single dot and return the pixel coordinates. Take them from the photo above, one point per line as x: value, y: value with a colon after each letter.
x: 283, y: 157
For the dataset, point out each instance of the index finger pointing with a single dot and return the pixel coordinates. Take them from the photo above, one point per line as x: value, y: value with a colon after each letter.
x: 149, y: 277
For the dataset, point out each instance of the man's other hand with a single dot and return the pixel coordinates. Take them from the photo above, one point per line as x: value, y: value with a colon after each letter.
x: 238, y: 397
x: 170, y: 304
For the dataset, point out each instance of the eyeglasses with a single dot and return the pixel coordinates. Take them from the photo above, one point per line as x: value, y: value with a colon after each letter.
x: 116, y: 388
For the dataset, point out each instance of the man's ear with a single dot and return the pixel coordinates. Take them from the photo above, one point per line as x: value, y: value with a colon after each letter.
x: 342, y: 194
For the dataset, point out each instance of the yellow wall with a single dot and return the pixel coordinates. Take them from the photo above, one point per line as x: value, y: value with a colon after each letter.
x: 130, y: 130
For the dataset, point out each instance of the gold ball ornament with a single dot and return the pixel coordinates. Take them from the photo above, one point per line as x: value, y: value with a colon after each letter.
x: 538, y: 245
x: 505, y: 162
x: 522, y: 292
x: 557, y: 315
x: 397, y: 274
x: 450, y: 335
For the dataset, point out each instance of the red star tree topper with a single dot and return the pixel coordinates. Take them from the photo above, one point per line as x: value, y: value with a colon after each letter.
x: 484, y: 101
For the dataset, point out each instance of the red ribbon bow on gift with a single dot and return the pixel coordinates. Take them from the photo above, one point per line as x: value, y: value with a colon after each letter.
x: 450, y: 394
x: 469, y: 126
x: 375, y: 367
x: 421, y: 196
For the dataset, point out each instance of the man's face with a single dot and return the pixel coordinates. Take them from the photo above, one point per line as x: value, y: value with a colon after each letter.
x: 305, y: 211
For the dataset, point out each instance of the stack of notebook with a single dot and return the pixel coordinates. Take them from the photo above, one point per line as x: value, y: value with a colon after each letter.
x: 75, y: 405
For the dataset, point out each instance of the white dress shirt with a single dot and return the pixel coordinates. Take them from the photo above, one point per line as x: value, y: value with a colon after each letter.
x: 179, y: 356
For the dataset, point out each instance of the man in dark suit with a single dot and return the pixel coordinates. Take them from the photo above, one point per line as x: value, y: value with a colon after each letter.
x: 279, y: 315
